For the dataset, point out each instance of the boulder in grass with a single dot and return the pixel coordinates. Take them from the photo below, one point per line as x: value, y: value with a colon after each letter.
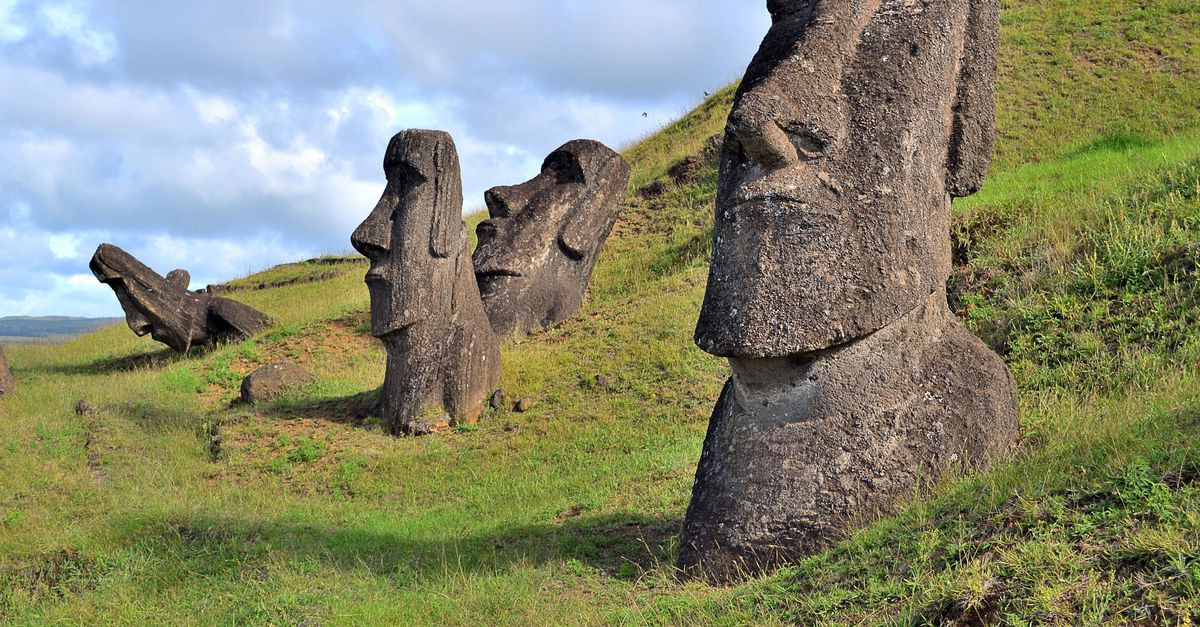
x: 268, y: 382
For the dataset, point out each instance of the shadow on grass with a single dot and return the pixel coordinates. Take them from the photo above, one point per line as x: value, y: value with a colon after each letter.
x: 354, y: 409
x: 126, y: 363
x: 623, y: 545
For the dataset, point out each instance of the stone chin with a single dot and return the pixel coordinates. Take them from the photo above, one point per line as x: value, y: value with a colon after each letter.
x: 785, y: 283
x: 492, y: 285
x: 522, y: 303
x: 134, y: 316
x: 393, y: 312
x: 384, y: 323
x: 381, y: 308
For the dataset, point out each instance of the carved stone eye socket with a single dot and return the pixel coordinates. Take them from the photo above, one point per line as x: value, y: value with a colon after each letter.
x: 564, y: 166
x: 405, y: 174
x: 733, y: 147
x: 810, y: 142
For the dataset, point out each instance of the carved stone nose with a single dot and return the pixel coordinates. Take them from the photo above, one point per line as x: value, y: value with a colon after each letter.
x: 373, y: 237
x: 762, y: 141
x: 487, y: 229
x: 497, y: 202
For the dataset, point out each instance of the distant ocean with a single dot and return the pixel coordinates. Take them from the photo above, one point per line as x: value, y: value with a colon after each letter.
x: 48, y: 329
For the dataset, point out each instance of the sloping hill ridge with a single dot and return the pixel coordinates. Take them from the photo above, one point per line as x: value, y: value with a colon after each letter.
x: 1078, y: 263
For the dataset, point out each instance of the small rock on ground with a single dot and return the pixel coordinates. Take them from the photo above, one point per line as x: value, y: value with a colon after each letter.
x: 420, y: 428
x: 268, y: 382
x: 497, y: 401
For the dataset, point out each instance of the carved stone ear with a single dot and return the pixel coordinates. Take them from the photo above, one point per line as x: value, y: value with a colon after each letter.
x: 447, y: 231
x: 590, y: 223
x: 973, y: 126
x: 581, y: 230
x: 180, y: 279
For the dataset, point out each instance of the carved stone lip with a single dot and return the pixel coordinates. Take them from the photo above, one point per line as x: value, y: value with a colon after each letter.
x: 375, y: 275
x: 497, y: 272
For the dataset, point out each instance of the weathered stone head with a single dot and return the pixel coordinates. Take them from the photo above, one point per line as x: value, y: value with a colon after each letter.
x: 414, y: 234
x: 852, y: 382
x: 855, y: 124
x: 442, y: 353
x: 164, y: 308
x: 537, y: 251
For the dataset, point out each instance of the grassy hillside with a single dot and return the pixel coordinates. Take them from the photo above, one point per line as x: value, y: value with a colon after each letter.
x: 1078, y: 263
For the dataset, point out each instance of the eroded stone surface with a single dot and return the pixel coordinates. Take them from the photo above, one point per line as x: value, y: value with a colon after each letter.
x: 7, y: 383
x: 855, y: 125
x: 164, y: 308
x: 268, y: 382
x: 425, y: 304
x: 537, y: 251
x: 801, y: 448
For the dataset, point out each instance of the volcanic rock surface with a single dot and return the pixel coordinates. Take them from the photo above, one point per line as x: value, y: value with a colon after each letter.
x: 856, y: 124
x: 164, y: 308
x: 425, y: 304
x: 537, y: 251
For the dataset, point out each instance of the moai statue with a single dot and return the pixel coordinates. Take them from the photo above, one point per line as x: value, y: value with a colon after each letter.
x: 853, y: 383
x: 164, y: 308
x: 537, y: 252
x: 7, y: 385
x: 425, y: 306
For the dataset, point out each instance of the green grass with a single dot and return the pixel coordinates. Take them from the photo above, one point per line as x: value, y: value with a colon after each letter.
x: 319, y: 269
x: 1078, y: 263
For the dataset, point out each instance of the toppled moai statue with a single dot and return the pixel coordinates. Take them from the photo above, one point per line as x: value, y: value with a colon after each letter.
x: 537, y: 251
x: 853, y: 383
x: 164, y: 308
x: 7, y: 384
x: 425, y: 306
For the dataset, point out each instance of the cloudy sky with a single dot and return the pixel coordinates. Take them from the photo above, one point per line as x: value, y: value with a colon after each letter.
x: 227, y: 136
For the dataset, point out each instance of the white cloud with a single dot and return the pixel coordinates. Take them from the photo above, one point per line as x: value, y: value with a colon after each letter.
x: 214, y: 111
x: 226, y: 136
x: 64, y: 245
x: 66, y: 295
x: 11, y: 29
x: 70, y: 21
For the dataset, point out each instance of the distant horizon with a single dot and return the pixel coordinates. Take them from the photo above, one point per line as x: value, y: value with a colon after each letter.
x: 57, y: 318
x: 24, y: 329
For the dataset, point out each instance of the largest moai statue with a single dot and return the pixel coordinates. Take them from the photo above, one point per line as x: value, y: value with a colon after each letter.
x: 537, y: 251
x: 441, y: 352
x: 164, y: 308
x: 852, y: 383
x: 7, y: 384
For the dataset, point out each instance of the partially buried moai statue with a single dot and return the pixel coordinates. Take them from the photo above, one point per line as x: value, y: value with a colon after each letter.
x: 537, y: 251
x: 7, y: 385
x: 441, y: 352
x: 852, y: 383
x: 164, y: 308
